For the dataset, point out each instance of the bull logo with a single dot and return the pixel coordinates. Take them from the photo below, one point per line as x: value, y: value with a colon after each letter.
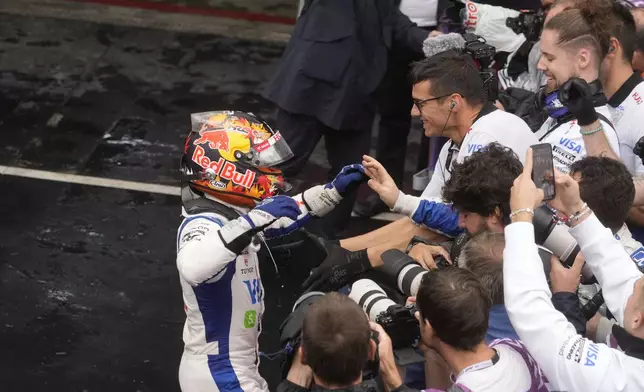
x: 216, y: 139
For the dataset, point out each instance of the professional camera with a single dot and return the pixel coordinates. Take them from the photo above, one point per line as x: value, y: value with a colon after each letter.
x: 408, y: 273
x: 483, y: 54
x: 291, y: 337
x: 398, y: 321
x: 528, y: 23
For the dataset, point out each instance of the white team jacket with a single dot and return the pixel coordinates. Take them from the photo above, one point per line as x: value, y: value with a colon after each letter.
x: 570, y: 361
x: 568, y: 143
x: 627, y: 109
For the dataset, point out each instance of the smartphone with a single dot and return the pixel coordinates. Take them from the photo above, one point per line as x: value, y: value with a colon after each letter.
x: 543, y: 169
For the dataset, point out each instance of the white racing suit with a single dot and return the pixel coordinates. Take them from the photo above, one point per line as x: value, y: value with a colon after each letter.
x: 570, y: 361
x: 224, y: 304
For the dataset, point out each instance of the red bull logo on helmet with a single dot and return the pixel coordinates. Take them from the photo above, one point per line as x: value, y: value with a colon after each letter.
x: 223, y: 169
x: 217, y: 140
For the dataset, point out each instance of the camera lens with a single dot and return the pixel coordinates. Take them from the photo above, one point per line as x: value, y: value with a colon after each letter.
x: 409, y: 279
x: 371, y: 298
x: 554, y: 236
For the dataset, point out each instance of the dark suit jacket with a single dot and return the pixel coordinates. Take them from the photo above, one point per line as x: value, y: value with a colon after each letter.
x: 336, y: 58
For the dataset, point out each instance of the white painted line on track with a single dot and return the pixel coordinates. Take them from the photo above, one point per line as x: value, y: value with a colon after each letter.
x: 88, y: 180
x: 121, y: 184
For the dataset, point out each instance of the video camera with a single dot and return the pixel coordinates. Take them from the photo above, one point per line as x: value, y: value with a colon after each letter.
x: 528, y: 23
x: 483, y: 54
x: 398, y: 321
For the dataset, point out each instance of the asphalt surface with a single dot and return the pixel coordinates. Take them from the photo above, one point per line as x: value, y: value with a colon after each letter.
x: 89, y: 293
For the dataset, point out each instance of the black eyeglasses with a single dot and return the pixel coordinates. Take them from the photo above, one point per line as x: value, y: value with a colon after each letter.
x: 419, y: 104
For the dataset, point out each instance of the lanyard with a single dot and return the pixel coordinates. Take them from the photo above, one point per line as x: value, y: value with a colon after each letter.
x: 479, y: 366
x: 452, y: 147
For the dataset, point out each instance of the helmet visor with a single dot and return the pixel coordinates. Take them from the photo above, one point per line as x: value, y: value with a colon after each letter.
x: 271, y: 152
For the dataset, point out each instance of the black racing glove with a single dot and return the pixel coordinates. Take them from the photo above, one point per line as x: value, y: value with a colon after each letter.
x: 577, y: 96
x: 337, y: 270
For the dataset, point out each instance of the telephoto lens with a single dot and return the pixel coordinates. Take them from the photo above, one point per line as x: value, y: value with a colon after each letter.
x: 398, y: 321
x: 371, y: 298
x: 554, y: 236
x: 407, y: 272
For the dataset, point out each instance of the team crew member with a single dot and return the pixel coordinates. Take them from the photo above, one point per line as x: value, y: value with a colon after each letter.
x: 449, y: 98
x: 232, y: 197
x: 624, y: 89
x: 572, y: 46
x: 569, y: 361
x: 453, y: 312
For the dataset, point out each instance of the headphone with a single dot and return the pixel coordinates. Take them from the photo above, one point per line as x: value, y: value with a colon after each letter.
x: 452, y: 105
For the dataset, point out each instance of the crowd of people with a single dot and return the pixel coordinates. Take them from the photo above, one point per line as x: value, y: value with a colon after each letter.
x: 484, y: 283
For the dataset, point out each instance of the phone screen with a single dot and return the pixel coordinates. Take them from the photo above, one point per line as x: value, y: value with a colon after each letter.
x: 543, y: 173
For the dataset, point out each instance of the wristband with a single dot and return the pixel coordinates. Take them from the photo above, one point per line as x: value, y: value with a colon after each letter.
x: 360, y: 258
x: 578, y: 215
x: 417, y: 240
x: 591, y: 132
x: 521, y: 210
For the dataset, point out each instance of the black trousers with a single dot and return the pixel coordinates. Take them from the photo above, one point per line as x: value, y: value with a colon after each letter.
x: 394, y: 106
x: 345, y: 147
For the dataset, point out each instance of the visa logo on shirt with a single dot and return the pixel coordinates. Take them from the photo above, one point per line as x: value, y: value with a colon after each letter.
x: 471, y: 148
x: 254, y: 287
x: 592, y: 352
x: 569, y: 144
x: 638, y: 257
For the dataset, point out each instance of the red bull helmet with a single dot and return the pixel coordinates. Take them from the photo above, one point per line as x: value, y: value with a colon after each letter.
x: 233, y: 156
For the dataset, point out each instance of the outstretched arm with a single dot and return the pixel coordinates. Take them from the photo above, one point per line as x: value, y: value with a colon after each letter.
x: 434, y: 215
x: 206, y: 244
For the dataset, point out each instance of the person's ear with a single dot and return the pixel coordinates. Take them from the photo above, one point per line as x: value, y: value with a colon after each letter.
x: 638, y: 321
x: 302, y: 356
x: 584, y: 58
x: 495, y: 220
x: 455, y: 102
x: 613, y: 47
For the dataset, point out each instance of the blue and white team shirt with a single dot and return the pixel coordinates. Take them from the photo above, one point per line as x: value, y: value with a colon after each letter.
x: 568, y: 143
x: 224, y: 304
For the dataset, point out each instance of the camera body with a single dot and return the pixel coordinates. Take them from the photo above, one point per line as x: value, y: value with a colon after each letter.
x: 483, y: 54
x: 528, y: 23
x: 400, y: 323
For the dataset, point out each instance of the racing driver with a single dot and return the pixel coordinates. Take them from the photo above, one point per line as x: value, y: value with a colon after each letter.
x: 230, y: 201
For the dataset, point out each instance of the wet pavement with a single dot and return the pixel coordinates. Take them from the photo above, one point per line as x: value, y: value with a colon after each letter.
x: 89, y: 293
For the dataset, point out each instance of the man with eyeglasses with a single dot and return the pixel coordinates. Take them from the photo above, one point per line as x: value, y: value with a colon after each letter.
x: 449, y: 97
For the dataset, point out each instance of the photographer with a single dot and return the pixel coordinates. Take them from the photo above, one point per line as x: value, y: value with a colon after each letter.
x: 336, y: 346
x: 479, y: 188
x: 570, y: 361
x: 573, y: 44
x: 483, y: 256
x: 453, y: 309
